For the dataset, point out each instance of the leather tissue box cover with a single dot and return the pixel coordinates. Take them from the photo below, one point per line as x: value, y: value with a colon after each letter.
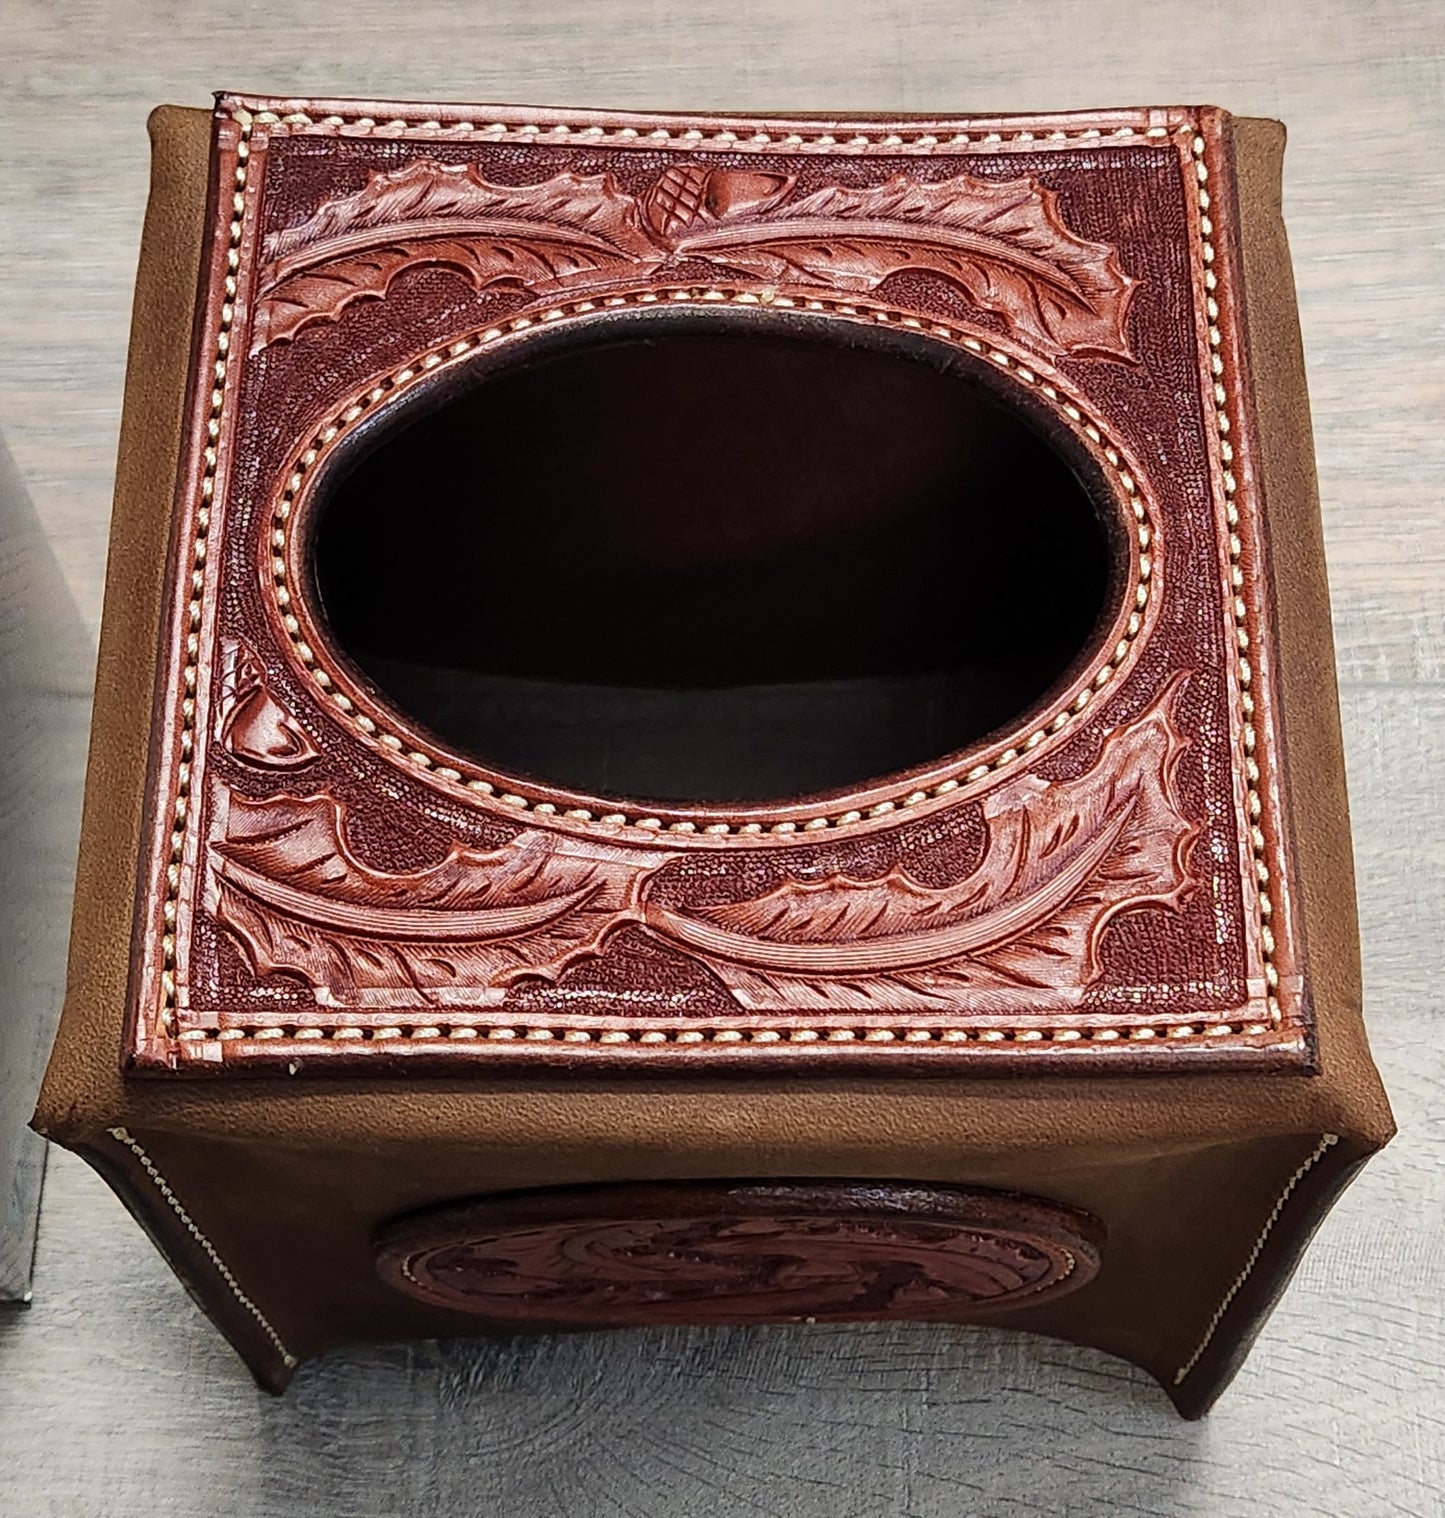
x: 717, y: 691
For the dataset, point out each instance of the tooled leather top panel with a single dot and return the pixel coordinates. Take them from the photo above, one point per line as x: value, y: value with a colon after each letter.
x: 1102, y: 886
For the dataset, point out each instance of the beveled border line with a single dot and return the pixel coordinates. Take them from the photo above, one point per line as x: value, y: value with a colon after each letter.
x: 191, y: 609
x: 1261, y: 826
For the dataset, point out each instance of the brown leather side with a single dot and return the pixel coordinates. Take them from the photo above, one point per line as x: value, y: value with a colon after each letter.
x: 1315, y: 794
x: 87, y: 1057
x: 1277, y: 449
x: 295, y: 1224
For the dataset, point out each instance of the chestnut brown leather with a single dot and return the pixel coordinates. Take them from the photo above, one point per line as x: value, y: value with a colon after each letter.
x: 1133, y: 899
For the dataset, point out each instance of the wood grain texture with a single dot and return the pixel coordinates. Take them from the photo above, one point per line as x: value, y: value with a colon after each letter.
x: 1341, y: 1410
x: 44, y: 712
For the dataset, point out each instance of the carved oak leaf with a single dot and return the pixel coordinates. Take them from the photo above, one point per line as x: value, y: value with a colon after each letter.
x: 1003, y: 243
x: 282, y: 878
x: 544, y: 237
x: 1062, y: 860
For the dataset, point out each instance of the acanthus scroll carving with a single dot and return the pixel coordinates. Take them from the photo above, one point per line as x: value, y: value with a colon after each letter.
x: 1003, y: 244
x: 1062, y: 859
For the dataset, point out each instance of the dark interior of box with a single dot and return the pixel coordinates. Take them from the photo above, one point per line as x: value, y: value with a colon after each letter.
x: 714, y: 566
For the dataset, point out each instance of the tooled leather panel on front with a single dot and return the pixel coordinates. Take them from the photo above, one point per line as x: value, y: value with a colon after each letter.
x: 331, y: 882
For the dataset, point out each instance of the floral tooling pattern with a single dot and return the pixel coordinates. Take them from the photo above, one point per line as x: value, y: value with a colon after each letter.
x: 1002, y: 243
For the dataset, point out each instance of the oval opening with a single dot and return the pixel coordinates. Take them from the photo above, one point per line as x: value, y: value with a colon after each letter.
x: 675, y: 561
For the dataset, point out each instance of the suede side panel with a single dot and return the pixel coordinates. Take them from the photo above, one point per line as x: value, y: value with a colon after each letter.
x: 85, y: 1064
x: 1314, y: 794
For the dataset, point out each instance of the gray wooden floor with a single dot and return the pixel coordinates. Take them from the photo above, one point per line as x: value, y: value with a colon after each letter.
x: 116, y: 1398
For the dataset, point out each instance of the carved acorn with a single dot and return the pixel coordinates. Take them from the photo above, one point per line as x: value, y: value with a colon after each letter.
x: 688, y: 192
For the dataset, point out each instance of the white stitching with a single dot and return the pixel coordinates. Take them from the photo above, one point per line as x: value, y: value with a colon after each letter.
x: 329, y: 434
x: 221, y: 364
x: 122, y: 1136
x: 1326, y: 1143
x: 565, y: 133
x: 1240, y: 611
x: 821, y: 1037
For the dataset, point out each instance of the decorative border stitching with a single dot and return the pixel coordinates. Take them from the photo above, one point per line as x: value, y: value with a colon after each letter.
x: 194, y: 609
x: 326, y: 438
x: 122, y: 1136
x: 515, y: 1032
x: 1326, y: 1143
x: 1239, y: 609
x: 560, y: 132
